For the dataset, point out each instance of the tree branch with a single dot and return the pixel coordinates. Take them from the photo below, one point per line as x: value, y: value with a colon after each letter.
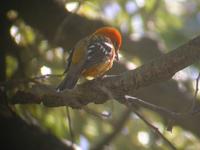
x: 155, y: 130
x: 160, y: 69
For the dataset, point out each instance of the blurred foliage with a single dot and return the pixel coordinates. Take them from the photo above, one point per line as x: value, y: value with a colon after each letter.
x: 170, y: 22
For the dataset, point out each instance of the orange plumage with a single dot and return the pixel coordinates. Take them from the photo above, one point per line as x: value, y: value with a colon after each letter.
x: 92, y: 56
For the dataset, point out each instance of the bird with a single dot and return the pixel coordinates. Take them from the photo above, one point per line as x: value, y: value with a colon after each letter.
x: 92, y: 56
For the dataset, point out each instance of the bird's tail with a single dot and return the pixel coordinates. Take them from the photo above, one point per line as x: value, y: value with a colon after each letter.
x: 69, y: 82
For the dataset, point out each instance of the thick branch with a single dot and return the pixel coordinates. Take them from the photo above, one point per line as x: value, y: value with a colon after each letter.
x: 100, y: 90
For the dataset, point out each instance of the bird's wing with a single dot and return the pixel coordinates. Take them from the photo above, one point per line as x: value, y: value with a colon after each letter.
x: 99, y: 50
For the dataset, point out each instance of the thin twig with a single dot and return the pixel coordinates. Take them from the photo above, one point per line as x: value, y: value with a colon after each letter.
x: 70, y: 125
x: 132, y: 101
x: 154, y: 129
x: 195, y: 94
x: 28, y: 80
x: 46, y: 76
x: 171, y: 115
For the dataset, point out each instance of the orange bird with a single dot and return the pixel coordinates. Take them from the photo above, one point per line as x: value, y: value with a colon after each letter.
x: 92, y: 56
